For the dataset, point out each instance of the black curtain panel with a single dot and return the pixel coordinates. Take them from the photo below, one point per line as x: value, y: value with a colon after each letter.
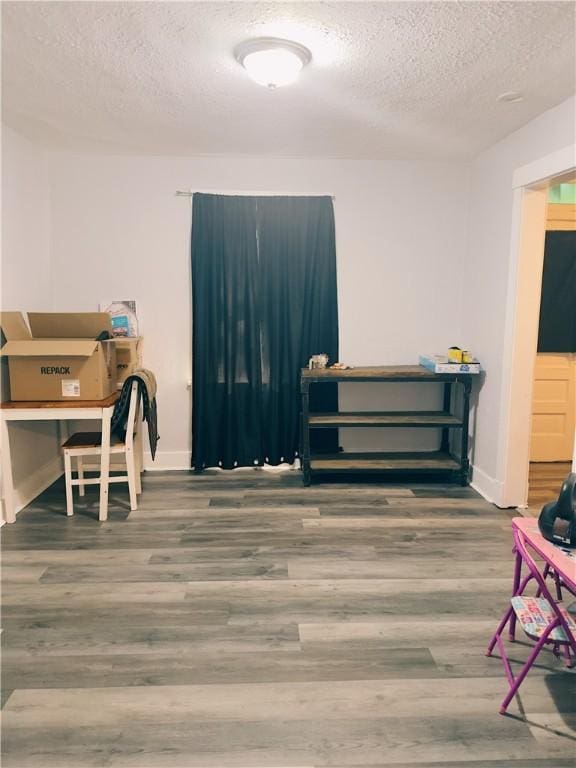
x: 264, y: 300
x: 557, y: 329
x: 297, y: 252
x: 226, y: 371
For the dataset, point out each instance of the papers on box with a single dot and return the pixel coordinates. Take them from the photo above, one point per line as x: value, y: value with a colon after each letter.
x: 440, y: 364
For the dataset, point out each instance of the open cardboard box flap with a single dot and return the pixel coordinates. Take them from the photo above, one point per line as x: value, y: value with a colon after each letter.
x: 49, y: 348
x: 69, y: 325
x: 14, y: 326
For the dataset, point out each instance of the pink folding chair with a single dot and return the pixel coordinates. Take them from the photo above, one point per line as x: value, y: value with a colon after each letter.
x: 541, y: 619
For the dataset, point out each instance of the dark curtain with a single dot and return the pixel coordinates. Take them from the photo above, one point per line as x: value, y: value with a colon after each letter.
x: 557, y: 329
x: 300, y: 314
x: 264, y: 300
x: 226, y: 374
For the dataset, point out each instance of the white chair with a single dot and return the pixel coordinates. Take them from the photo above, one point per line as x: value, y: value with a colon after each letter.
x: 83, y: 444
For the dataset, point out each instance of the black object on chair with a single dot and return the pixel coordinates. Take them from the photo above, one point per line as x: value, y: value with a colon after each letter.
x: 557, y: 521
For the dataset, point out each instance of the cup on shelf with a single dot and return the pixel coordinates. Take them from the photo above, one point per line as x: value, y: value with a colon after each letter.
x: 318, y: 361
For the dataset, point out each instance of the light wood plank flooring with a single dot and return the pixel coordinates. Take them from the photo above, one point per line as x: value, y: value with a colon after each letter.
x: 544, y: 482
x: 242, y: 621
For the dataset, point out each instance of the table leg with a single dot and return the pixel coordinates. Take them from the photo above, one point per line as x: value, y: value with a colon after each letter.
x: 63, y: 431
x: 105, y: 463
x: 7, y: 479
x: 517, y: 571
x: 305, y: 451
x: 464, y: 460
x: 139, y: 456
x: 68, y: 481
x: 80, y: 470
x: 445, y: 444
x: 515, y: 585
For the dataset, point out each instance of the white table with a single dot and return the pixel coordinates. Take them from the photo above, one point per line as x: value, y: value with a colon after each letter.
x: 100, y: 410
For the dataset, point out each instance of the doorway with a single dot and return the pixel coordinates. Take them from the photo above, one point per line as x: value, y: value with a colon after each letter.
x: 531, y: 184
x: 554, y: 385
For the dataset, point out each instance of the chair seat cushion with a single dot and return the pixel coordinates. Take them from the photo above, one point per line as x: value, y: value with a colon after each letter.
x: 534, y: 615
x: 87, y: 440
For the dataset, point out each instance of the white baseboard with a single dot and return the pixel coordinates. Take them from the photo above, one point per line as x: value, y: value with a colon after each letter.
x: 37, y: 482
x: 166, y: 460
x: 487, y: 486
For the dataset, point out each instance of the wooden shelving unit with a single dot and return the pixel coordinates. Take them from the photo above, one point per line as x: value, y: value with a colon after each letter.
x: 442, y: 462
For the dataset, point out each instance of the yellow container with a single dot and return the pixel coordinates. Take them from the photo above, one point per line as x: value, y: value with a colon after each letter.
x: 454, y: 355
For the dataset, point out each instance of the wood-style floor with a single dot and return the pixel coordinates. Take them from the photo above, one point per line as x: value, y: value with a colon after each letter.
x: 544, y: 482
x: 242, y: 620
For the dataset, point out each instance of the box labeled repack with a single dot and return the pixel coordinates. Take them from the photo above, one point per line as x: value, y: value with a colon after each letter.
x: 440, y: 364
x: 60, y: 357
x: 128, y: 357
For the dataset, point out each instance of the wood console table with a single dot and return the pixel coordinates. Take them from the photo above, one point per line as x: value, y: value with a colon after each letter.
x: 56, y: 411
x: 406, y: 463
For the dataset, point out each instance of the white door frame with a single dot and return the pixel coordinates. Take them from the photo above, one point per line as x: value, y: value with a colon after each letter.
x: 530, y: 185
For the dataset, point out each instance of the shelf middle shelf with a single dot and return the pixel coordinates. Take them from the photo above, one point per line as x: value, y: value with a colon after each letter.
x: 384, y: 419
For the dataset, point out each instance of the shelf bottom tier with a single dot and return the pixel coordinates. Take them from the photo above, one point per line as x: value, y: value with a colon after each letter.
x: 434, y: 461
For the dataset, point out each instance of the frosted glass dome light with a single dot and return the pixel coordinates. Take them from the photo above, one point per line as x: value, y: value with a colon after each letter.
x: 273, y: 68
x: 272, y: 62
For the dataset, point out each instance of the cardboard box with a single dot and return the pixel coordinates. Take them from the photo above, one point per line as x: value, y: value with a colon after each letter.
x: 59, y: 358
x: 128, y: 357
x: 440, y: 364
x: 12, y: 326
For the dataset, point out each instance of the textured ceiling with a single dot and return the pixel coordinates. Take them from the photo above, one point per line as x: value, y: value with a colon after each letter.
x: 387, y: 80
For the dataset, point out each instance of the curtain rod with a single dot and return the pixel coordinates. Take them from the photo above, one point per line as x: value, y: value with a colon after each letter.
x: 184, y: 193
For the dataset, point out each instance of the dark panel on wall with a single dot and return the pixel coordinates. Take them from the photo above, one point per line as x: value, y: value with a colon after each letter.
x: 557, y: 330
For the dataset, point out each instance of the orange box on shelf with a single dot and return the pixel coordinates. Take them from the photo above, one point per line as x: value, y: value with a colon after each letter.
x: 128, y: 357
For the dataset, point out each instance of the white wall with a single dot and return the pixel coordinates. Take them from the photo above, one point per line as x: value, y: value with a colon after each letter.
x: 26, y: 285
x: 25, y: 266
x: 118, y: 231
x: 486, y: 272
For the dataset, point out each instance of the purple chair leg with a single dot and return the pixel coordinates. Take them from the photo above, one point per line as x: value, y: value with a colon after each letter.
x: 515, y: 587
x: 569, y: 662
x: 558, y: 583
x: 499, y: 630
x: 516, y: 683
x: 519, y: 590
x: 545, y: 573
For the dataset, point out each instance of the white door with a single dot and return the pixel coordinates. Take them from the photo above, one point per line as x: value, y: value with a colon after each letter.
x: 553, y: 407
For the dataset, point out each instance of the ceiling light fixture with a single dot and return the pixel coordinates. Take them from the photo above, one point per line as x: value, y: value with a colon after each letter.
x: 271, y: 61
x: 511, y: 97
